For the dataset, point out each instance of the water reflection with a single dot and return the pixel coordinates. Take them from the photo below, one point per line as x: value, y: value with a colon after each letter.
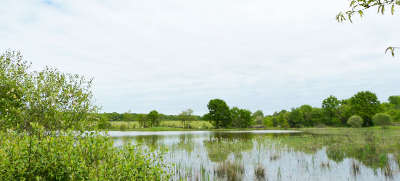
x: 271, y: 156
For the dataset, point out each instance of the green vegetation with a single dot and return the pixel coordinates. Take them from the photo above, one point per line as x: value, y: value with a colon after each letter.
x: 43, y: 119
x: 358, y: 7
x: 336, y: 113
x: 219, y: 113
x: 88, y: 156
x: 382, y: 119
x: 355, y: 121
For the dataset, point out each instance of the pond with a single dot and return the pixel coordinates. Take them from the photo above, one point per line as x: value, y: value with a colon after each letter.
x: 267, y: 155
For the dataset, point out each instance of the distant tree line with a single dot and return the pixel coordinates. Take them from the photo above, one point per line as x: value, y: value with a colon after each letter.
x: 362, y: 109
x: 151, y: 119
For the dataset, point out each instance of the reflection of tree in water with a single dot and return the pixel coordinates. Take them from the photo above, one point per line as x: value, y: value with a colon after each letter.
x: 152, y: 142
x: 185, y: 143
x: 220, y: 145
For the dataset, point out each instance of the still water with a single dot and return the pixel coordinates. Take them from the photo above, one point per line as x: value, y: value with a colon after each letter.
x: 264, y: 155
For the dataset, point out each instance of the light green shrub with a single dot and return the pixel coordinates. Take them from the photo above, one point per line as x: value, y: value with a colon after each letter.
x: 382, y: 119
x: 123, y: 127
x: 72, y: 156
x: 355, y: 121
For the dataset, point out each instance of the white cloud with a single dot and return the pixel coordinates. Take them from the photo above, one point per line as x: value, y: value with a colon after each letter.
x: 171, y: 55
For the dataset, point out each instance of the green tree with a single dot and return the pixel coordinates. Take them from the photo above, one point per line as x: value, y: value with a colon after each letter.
x: 114, y: 116
x: 307, y: 114
x: 153, y: 118
x: 128, y: 116
x: 268, y: 121
x: 241, y: 118
x: 330, y: 108
x: 186, y: 116
x: 296, y: 118
x: 142, y: 119
x: 358, y: 7
x: 395, y: 101
x: 258, y: 117
x: 316, y: 116
x: 366, y: 105
x: 219, y: 113
x: 344, y: 113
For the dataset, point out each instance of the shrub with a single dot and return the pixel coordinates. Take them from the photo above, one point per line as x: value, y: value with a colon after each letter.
x: 123, y: 126
x: 72, y: 156
x: 56, y: 100
x: 382, y: 119
x: 355, y: 121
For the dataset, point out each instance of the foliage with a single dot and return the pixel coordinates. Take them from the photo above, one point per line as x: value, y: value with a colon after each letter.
x: 186, y: 116
x: 241, y: 118
x: 382, y: 119
x: 153, y: 118
x: 71, y: 156
x: 51, y: 98
x: 268, y: 121
x: 359, y: 7
x: 395, y: 101
x: 306, y: 110
x: 296, y: 118
x: 219, y: 113
x: 355, y: 121
x: 258, y: 117
x: 103, y: 123
x: 330, y: 107
x: 366, y: 105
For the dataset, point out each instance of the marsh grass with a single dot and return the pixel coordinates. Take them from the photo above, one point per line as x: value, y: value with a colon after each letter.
x: 230, y: 170
x: 259, y: 172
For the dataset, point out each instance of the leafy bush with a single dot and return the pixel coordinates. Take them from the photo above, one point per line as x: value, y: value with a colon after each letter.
x: 123, y: 127
x: 72, y: 156
x: 54, y: 99
x: 382, y: 119
x: 355, y: 121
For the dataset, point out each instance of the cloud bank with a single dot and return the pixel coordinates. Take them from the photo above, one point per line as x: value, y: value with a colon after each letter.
x: 171, y: 55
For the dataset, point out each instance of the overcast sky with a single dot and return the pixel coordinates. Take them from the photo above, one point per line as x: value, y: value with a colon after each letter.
x: 171, y: 55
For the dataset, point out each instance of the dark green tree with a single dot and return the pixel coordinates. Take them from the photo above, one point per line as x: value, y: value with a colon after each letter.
x: 153, y: 118
x: 296, y: 118
x: 114, y: 116
x: 316, y: 116
x: 307, y: 114
x: 395, y: 101
x: 241, y: 118
x: 219, y: 113
x: 330, y: 108
x: 366, y: 105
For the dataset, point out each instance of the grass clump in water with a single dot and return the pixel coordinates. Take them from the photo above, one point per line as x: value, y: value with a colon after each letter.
x: 230, y: 170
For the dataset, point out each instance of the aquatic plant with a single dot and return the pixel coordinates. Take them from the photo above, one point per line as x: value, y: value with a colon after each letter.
x: 232, y: 171
x: 259, y: 172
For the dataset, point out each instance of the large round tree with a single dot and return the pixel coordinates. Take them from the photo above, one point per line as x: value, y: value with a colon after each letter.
x: 219, y: 113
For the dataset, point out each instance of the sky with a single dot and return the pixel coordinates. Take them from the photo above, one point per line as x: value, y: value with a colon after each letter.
x: 171, y: 55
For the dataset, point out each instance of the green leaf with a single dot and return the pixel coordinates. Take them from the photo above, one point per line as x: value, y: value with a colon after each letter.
x: 393, y: 9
